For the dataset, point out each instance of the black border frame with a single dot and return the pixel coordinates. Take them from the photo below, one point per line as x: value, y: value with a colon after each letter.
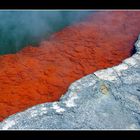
x: 69, y: 4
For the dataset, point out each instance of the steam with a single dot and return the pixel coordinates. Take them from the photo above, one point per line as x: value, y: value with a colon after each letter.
x: 21, y: 28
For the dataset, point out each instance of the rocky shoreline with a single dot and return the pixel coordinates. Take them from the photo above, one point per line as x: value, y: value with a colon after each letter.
x: 42, y: 74
x: 106, y: 99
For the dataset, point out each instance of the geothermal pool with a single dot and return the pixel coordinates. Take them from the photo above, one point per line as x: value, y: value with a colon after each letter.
x: 43, y: 73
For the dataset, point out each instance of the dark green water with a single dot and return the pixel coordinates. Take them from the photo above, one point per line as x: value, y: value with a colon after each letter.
x: 21, y: 28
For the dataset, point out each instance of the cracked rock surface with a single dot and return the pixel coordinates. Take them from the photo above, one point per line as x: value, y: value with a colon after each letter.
x: 106, y: 99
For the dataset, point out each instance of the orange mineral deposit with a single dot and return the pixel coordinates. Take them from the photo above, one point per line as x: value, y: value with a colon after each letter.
x: 41, y: 74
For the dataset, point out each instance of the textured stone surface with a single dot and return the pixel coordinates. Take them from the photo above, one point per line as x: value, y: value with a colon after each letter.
x: 95, y: 101
x: 42, y: 74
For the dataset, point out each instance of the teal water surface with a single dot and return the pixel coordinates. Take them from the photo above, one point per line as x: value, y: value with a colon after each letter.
x: 21, y: 28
